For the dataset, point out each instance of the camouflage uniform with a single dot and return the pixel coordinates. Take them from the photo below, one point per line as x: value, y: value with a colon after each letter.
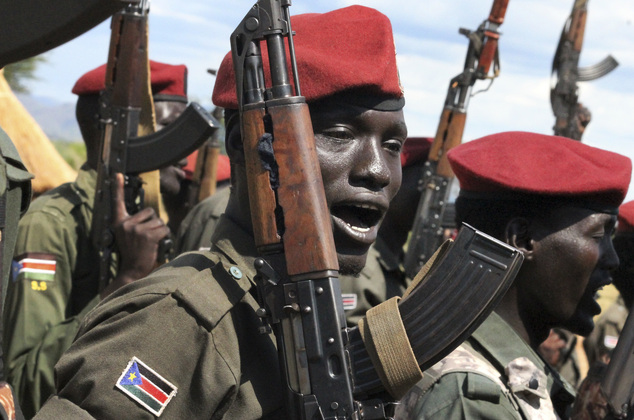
x: 193, y: 323
x: 600, y: 343
x: 492, y: 375
x: 55, y: 272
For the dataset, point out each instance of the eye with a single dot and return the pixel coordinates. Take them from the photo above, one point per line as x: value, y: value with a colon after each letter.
x: 393, y: 145
x: 338, y: 134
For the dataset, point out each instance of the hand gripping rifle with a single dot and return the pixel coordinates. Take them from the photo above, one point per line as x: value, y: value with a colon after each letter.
x: 607, y: 392
x: 427, y: 232
x: 122, y: 151
x: 330, y: 371
x: 564, y: 95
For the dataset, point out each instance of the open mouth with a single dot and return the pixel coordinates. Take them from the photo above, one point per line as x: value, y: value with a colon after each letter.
x: 360, y: 218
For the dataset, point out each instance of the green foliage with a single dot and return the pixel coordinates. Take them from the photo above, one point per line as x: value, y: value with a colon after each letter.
x: 17, y: 73
x: 74, y: 153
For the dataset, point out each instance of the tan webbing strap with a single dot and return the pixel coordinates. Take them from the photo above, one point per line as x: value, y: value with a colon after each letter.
x: 147, y: 125
x: 425, y: 269
x: 387, y: 344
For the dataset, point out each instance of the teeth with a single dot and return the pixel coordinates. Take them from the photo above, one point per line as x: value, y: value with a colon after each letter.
x: 367, y: 206
x: 358, y: 229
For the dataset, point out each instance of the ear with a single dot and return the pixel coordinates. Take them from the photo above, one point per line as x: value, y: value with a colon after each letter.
x: 518, y: 234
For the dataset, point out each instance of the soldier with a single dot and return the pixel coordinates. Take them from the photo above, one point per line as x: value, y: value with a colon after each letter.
x: 15, y: 196
x: 190, y: 329
x: 556, y: 200
x: 601, y: 342
x: 382, y: 277
x: 56, y: 266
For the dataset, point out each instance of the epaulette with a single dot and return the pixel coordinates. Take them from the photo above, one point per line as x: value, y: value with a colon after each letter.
x: 211, y: 293
x: 58, y: 202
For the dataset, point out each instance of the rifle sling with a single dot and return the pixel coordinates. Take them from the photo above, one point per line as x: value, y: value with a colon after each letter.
x: 383, y: 331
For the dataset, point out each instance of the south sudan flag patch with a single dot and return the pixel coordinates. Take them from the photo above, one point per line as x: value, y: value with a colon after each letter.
x: 146, y: 387
x: 34, y: 266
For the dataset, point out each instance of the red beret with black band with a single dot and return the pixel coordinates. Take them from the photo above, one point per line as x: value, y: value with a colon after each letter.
x: 522, y: 164
x: 349, y: 50
x: 169, y: 82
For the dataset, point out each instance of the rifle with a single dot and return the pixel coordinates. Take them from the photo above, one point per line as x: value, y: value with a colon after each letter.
x: 204, y: 177
x: 122, y: 151
x: 330, y: 371
x: 618, y: 383
x: 427, y: 231
x: 564, y: 93
x: 607, y: 393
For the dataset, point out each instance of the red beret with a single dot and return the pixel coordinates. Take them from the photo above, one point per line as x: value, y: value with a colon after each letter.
x: 344, y: 50
x: 223, y: 171
x: 169, y: 82
x: 626, y: 218
x: 520, y: 163
x: 415, y: 150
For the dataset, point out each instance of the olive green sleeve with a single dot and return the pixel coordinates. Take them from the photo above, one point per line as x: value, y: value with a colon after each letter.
x: 156, y: 330
x: 36, y: 330
x: 462, y: 395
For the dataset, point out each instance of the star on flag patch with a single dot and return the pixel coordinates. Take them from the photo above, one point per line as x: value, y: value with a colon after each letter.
x: 34, y: 266
x: 139, y: 382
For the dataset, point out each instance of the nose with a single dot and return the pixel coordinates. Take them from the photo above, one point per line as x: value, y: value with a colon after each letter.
x: 371, y: 168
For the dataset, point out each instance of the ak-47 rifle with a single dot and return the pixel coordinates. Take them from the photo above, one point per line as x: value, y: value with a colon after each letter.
x: 122, y: 151
x: 330, y: 371
x: 427, y: 232
x: 566, y: 71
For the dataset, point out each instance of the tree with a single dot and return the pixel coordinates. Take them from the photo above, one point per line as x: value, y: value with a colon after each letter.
x: 17, y: 73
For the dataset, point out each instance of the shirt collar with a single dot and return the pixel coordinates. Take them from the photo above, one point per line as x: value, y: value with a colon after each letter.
x: 86, y: 183
x: 237, y: 244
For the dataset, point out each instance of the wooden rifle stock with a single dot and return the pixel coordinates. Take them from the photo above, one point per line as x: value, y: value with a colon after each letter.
x: 448, y: 136
x: 205, y: 172
x: 120, y: 107
x: 490, y: 48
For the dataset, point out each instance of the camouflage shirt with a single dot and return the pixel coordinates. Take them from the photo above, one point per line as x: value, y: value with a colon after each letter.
x: 493, y: 375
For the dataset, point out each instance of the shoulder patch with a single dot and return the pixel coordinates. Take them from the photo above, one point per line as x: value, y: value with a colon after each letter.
x: 34, y: 266
x: 142, y: 384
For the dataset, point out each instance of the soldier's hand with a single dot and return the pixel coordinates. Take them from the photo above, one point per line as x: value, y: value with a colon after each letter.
x: 551, y: 348
x: 137, y: 237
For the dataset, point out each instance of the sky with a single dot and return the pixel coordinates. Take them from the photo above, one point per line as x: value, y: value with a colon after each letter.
x: 430, y: 51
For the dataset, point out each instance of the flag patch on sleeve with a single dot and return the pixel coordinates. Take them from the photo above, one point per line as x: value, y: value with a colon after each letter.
x: 349, y: 301
x: 146, y: 387
x: 38, y: 266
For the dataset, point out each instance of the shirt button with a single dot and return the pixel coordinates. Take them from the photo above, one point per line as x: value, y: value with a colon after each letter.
x: 236, y: 273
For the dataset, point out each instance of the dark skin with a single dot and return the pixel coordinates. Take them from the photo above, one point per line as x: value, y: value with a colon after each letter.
x: 568, y: 258
x: 359, y: 155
